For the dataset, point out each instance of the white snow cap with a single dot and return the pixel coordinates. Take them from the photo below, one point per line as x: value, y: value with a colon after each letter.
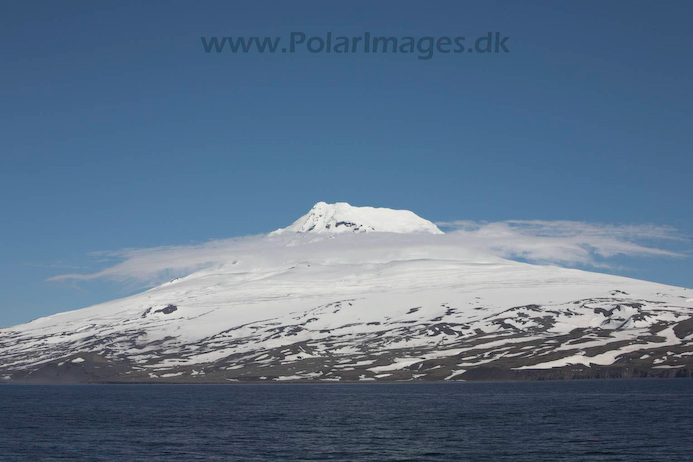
x: 344, y: 218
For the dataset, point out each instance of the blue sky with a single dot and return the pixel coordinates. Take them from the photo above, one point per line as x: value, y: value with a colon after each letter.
x: 119, y: 131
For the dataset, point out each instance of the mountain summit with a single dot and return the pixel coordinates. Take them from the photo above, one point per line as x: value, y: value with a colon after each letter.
x: 344, y: 218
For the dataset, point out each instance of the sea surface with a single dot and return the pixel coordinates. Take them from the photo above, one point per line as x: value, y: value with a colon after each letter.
x: 629, y: 420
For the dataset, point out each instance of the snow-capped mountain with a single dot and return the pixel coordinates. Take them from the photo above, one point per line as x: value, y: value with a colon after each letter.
x: 343, y: 218
x: 361, y: 294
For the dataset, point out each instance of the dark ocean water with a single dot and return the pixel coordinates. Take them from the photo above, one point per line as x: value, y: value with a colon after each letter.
x: 578, y: 420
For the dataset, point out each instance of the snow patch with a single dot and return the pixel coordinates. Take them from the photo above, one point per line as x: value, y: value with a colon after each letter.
x: 171, y: 374
x: 455, y: 374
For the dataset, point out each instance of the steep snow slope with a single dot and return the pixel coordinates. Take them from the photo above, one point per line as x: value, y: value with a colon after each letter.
x: 310, y: 305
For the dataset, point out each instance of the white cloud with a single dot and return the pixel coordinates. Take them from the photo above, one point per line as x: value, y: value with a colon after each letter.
x: 565, y: 243
x: 151, y: 265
